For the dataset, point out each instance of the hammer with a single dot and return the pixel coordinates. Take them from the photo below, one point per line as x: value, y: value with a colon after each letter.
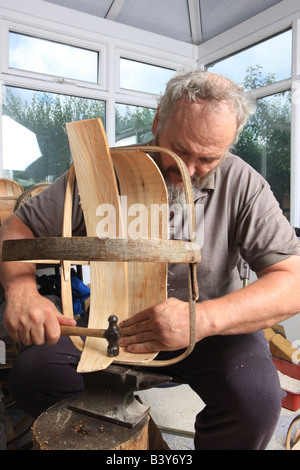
x: 112, y: 334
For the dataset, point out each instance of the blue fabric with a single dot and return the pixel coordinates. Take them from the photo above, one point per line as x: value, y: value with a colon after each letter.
x: 50, y: 284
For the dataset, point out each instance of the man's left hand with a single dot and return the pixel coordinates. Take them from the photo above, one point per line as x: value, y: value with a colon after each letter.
x: 164, y: 327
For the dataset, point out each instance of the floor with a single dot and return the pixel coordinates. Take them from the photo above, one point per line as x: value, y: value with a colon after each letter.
x: 174, y: 408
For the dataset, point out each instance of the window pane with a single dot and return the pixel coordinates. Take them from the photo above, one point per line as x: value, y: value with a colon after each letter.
x: 274, y: 56
x: 265, y: 144
x: 133, y: 124
x: 35, y: 144
x: 52, y: 58
x: 143, y: 77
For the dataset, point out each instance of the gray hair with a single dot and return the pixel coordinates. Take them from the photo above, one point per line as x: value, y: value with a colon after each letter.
x: 199, y: 84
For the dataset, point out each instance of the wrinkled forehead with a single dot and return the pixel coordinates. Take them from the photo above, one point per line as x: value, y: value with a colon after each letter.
x: 199, y: 119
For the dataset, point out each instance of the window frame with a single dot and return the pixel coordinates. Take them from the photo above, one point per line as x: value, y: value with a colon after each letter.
x: 10, y: 26
x: 141, y: 58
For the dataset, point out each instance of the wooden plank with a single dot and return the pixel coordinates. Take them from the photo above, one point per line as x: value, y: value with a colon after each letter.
x: 86, y: 249
x: 97, y: 185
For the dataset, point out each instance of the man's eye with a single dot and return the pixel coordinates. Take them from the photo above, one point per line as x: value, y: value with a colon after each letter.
x: 207, y: 160
x: 179, y: 152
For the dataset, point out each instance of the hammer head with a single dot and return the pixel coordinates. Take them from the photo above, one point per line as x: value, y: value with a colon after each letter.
x: 112, y: 334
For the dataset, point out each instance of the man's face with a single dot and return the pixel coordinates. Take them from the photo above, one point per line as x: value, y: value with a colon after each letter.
x: 197, y: 134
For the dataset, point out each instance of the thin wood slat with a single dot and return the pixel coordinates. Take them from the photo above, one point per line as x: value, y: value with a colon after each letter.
x: 65, y: 273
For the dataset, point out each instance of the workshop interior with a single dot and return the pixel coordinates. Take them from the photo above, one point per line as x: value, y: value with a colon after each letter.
x: 80, y: 78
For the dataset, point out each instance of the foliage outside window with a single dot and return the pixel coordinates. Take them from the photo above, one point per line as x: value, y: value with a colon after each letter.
x: 45, y: 115
x: 265, y: 141
x: 133, y: 124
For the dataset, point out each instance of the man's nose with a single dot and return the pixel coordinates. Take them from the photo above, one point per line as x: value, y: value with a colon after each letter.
x: 190, y: 164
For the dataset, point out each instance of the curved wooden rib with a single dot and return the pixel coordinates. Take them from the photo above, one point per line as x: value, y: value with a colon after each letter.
x: 65, y: 275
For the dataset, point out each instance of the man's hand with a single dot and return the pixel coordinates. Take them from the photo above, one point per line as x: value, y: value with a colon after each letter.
x: 30, y: 318
x: 164, y: 327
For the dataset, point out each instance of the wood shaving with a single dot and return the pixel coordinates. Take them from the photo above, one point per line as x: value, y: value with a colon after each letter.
x: 288, y: 383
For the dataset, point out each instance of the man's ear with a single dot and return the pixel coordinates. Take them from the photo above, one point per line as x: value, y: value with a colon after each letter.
x: 155, y: 122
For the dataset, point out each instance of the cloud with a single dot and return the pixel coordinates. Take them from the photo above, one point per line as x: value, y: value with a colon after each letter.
x: 52, y: 58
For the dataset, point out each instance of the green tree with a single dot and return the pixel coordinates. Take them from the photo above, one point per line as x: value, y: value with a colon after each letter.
x: 265, y: 141
x: 46, y: 114
x: 136, y: 121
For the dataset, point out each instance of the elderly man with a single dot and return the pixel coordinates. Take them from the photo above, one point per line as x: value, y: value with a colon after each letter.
x: 199, y: 118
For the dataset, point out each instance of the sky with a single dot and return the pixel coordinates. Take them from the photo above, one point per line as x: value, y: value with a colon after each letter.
x: 42, y: 56
x: 274, y: 55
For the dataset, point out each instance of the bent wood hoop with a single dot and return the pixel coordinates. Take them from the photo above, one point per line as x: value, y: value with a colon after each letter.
x: 127, y: 275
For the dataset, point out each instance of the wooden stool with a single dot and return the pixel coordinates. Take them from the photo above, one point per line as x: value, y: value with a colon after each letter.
x: 60, y: 428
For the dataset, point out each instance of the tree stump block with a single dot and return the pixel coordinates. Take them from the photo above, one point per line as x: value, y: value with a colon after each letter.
x: 60, y: 428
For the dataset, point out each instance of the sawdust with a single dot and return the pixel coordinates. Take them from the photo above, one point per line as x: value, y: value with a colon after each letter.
x: 86, y: 428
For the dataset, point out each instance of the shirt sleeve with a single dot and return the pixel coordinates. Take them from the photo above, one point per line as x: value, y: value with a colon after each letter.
x: 264, y: 234
x: 43, y: 213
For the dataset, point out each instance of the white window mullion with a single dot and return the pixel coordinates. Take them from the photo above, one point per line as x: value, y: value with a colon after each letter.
x: 295, y: 130
x: 110, y: 121
x: 295, y: 155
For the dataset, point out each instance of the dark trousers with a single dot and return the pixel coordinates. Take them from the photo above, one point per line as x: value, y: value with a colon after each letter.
x: 233, y: 375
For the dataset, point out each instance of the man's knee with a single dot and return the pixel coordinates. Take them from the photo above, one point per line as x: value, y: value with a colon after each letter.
x: 43, y: 376
x: 243, y: 417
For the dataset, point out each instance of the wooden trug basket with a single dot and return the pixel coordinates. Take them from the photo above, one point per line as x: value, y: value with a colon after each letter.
x: 127, y: 275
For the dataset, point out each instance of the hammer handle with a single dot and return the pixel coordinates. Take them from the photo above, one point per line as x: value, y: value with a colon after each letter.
x: 80, y: 331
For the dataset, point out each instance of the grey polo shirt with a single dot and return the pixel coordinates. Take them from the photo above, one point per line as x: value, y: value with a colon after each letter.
x: 236, y: 216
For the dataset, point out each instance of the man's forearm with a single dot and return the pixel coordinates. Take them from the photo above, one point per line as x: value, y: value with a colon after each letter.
x: 274, y: 297
x: 12, y: 273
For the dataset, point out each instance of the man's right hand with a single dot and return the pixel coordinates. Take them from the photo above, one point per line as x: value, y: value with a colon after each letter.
x: 30, y: 318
